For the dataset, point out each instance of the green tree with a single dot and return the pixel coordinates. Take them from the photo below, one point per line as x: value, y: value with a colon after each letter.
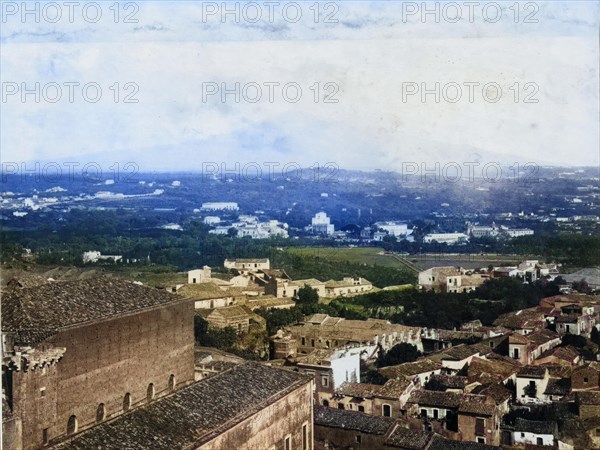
x: 398, y: 354
x: 308, y: 295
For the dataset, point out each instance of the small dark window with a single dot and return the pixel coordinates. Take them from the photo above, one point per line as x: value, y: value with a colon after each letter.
x: 127, y: 402
x: 585, y: 379
x: 424, y: 412
x: 72, y: 425
x: 481, y: 440
x: 340, y: 406
x: 312, y: 342
x: 361, y: 408
x: 387, y: 410
x: 435, y: 414
x: 150, y: 392
x: 194, y: 280
x: 325, y: 402
x: 288, y: 443
x: 172, y: 382
x: 43, y: 392
x: 45, y: 436
x: 100, y: 412
x: 303, y: 341
x: 539, y: 441
x: 304, y: 437
x: 358, y: 439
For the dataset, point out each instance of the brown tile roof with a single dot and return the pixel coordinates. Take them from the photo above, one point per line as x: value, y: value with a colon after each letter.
x: 405, y: 438
x: 449, y: 381
x: 441, y: 443
x: 352, y: 420
x: 436, y: 398
x: 524, y: 318
x: 492, y: 369
x: 588, y: 397
x: 532, y: 372
x: 476, y: 404
x: 496, y: 391
x: 193, y: 415
x: 558, y: 386
x: 410, y: 369
x: 38, y: 312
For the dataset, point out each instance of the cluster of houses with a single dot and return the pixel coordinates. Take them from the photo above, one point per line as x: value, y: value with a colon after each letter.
x: 458, y: 279
x: 252, y: 284
x: 493, y: 231
x: 516, y: 384
x: 248, y: 226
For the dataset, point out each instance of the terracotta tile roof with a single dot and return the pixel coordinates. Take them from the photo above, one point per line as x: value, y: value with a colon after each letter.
x: 193, y: 415
x: 567, y: 353
x: 492, y: 369
x: 534, y: 426
x: 352, y: 420
x: 558, y: 386
x: 449, y: 381
x: 476, y: 404
x: 38, y: 312
x: 496, y: 391
x: 567, y: 318
x: 588, y: 397
x: 405, y: 438
x: 441, y: 443
x: 532, y: 372
x: 410, y: 369
x: 524, y: 318
x: 436, y: 398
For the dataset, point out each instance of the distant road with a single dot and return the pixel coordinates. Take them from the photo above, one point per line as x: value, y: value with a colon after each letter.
x: 404, y: 261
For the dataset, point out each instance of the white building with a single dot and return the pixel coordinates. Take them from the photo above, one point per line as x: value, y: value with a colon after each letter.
x: 199, y: 275
x: 211, y: 220
x: 220, y: 206
x: 248, y: 264
x: 95, y: 256
x: 397, y: 229
x: 445, y: 238
x: 517, y: 232
x: 321, y: 224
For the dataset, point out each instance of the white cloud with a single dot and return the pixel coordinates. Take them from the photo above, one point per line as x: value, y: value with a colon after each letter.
x: 368, y: 54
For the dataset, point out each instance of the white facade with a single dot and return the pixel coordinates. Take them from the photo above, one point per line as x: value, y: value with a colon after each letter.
x: 393, y: 228
x: 220, y: 206
x: 345, y: 365
x: 199, y: 275
x: 95, y: 256
x: 212, y: 220
x: 526, y: 437
x: 322, y: 224
x: 447, y: 238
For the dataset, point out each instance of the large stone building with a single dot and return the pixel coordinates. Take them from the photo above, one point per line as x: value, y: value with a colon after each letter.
x: 105, y: 363
x: 323, y: 331
x: 251, y: 406
x: 78, y: 353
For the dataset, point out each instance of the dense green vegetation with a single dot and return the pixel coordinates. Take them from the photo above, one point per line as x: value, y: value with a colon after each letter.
x: 442, y: 310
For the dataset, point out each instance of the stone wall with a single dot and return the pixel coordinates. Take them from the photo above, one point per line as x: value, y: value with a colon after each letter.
x: 103, y: 362
x: 269, y: 427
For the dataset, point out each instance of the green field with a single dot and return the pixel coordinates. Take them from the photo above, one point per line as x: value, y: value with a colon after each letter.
x: 363, y: 255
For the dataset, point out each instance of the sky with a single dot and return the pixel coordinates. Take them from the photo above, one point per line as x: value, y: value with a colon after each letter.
x: 364, y: 85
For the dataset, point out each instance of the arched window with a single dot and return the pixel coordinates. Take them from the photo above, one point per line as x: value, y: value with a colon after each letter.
x: 172, y: 382
x: 100, y: 413
x: 72, y: 425
x: 386, y: 410
x: 127, y: 402
x: 150, y: 392
x: 325, y: 402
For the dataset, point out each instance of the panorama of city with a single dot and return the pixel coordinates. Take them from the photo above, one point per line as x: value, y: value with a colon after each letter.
x: 323, y: 225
